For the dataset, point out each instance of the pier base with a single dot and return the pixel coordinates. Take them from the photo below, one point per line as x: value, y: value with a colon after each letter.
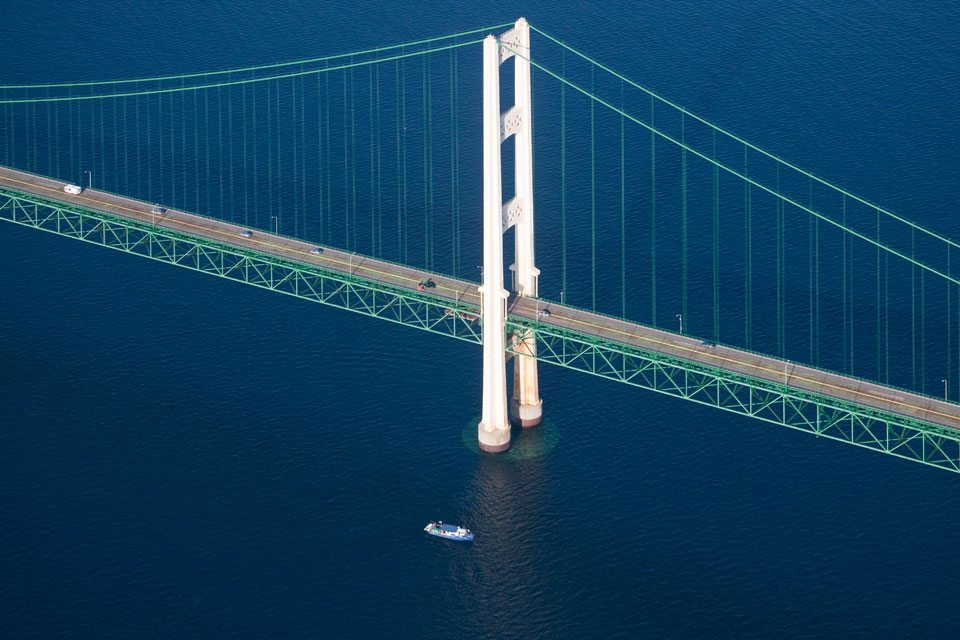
x: 495, y: 440
x: 526, y: 415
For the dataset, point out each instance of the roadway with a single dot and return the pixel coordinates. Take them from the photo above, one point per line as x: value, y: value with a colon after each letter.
x: 737, y: 361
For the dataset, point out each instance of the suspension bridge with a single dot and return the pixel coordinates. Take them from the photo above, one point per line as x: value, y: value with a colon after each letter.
x: 676, y: 256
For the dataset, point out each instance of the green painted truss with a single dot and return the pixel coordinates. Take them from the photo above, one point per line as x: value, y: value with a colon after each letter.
x: 336, y: 289
x: 779, y: 404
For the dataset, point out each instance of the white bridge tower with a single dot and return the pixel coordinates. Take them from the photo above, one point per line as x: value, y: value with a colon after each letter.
x: 526, y: 407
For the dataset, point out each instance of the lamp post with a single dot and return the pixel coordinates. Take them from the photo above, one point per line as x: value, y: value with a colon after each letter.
x: 480, y: 268
x: 276, y: 225
x: 561, y: 298
x: 89, y: 179
x: 944, y: 381
x: 680, y: 318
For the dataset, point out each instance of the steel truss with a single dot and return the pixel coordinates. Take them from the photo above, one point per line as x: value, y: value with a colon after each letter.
x: 779, y: 404
x: 409, y: 308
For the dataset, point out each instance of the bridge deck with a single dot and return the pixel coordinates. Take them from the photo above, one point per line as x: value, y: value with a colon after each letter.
x: 757, y: 366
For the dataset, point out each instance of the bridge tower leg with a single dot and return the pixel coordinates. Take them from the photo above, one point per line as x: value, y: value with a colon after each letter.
x: 494, y: 428
x: 526, y: 407
x: 493, y: 432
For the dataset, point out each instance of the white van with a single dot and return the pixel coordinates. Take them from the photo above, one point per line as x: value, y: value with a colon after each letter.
x: 73, y: 189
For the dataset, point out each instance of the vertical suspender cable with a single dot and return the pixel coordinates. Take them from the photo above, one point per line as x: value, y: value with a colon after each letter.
x: 103, y: 144
x: 221, y: 208
x: 781, y: 347
x: 115, y: 131
x: 716, y: 240
x: 426, y: 170
x: 454, y: 182
x: 913, y: 312
x: 320, y: 147
x: 849, y: 277
x: 244, y: 124
x: 139, y: 130
x: 173, y: 153
x: 50, y: 141
x: 301, y: 220
x: 879, y: 358
x: 91, y: 162
x: 372, y: 189
x: 811, y: 252
x: 196, y: 152
x: 230, y: 145
x: 206, y: 138
x: 923, y: 331
x: 149, y: 194
x: 949, y: 324
x: 328, y: 173
x: 653, y: 216
x: 58, y: 138
x: 593, y: 195
x: 748, y: 255
x: 886, y: 313
x: 428, y: 91
x: 403, y: 164
x: 126, y: 152
x: 623, y: 216
x: 271, y: 186
x: 33, y: 148
x: 346, y: 161
x: 379, y: 204
x: 379, y: 165
x: 161, y: 174
x: 683, y: 215
x: 279, y: 187
x: 816, y: 280
x: 256, y: 158
x: 845, y: 310
x: 563, y: 177
x: 302, y: 144
x: 183, y: 146
x: 353, y: 159
x: 5, y: 112
x: 293, y: 151
x: 399, y: 127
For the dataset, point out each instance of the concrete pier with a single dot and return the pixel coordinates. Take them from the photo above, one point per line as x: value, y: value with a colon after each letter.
x: 526, y: 406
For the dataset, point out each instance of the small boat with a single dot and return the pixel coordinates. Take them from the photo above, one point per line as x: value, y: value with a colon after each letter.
x: 449, y: 531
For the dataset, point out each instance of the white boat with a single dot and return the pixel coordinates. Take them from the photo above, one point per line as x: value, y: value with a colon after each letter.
x: 449, y: 531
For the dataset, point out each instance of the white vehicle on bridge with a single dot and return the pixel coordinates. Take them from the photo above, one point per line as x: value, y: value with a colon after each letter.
x: 72, y: 189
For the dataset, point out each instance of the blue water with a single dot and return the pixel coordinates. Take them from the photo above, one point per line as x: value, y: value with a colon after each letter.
x: 184, y: 457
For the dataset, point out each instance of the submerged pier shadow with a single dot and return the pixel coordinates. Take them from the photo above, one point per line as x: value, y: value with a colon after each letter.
x: 525, y: 444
